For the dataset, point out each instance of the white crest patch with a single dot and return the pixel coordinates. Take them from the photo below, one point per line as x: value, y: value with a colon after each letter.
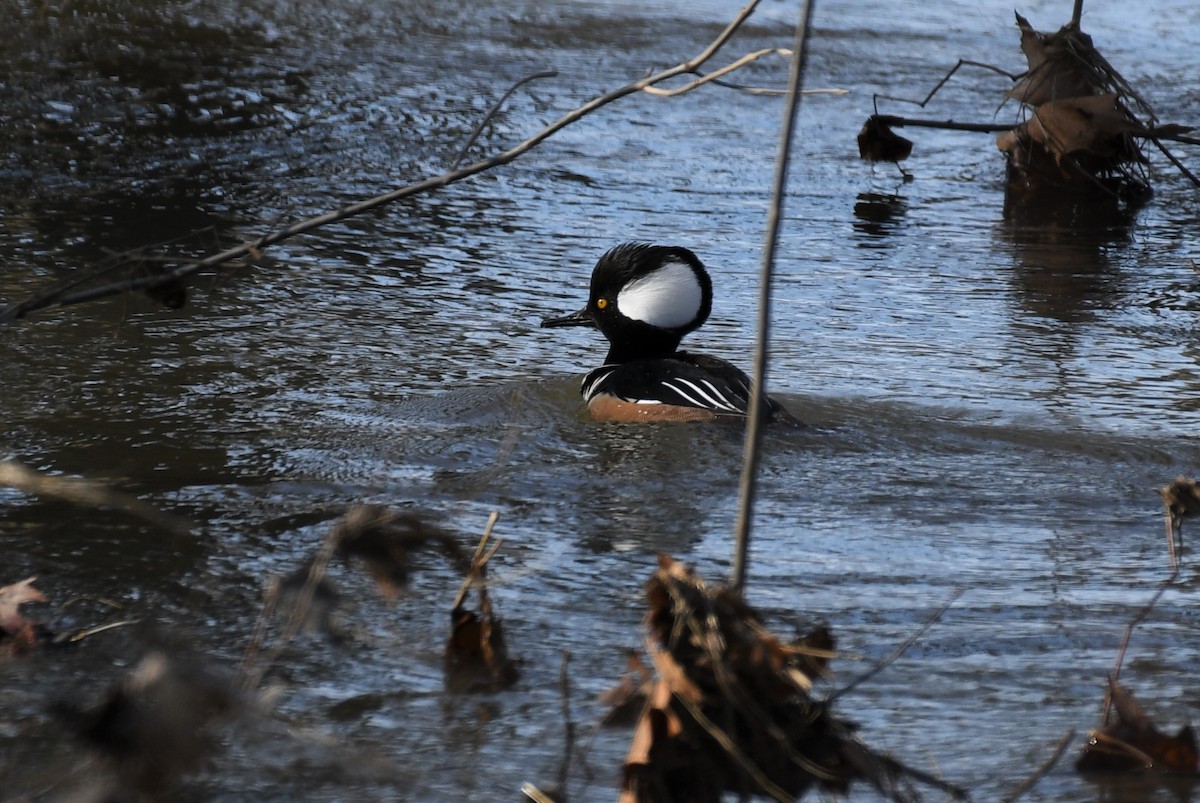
x: 668, y: 298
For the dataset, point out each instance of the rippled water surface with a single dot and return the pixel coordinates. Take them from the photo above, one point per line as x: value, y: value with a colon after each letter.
x: 994, y: 390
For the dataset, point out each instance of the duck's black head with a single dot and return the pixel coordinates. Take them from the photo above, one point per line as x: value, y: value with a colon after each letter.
x: 644, y: 298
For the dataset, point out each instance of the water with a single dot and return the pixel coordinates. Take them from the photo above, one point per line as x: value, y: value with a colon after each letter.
x: 994, y: 392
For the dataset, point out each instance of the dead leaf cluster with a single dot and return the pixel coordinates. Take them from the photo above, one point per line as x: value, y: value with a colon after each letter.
x: 731, y: 710
x: 1080, y: 125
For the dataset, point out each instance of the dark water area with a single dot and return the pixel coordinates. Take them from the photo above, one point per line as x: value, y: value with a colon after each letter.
x: 995, y: 389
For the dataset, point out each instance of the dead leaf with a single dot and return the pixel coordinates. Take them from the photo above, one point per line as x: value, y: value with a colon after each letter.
x: 1096, y: 124
x: 476, y: 655
x: 1058, y: 65
x: 17, y: 632
x: 1182, y: 499
x: 1135, y: 744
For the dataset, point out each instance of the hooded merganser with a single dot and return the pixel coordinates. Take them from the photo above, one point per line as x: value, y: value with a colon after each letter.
x: 645, y: 298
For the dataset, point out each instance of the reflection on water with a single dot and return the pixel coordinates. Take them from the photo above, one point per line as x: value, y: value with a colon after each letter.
x: 1062, y: 243
x: 876, y: 216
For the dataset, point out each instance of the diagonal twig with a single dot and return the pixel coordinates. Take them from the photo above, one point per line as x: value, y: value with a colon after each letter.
x: 56, y: 298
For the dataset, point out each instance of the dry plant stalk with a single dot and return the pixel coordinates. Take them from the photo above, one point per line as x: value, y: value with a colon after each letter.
x: 1181, y: 499
x: 730, y: 710
x: 476, y: 656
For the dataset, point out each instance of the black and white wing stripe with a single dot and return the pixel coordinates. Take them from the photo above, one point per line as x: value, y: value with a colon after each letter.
x: 702, y: 393
x: 686, y: 380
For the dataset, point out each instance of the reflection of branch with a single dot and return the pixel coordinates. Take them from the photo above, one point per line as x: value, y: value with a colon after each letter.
x: 64, y: 298
x: 85, y: 493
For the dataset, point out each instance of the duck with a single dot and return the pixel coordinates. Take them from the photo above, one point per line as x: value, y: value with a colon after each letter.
x: 644, y: 298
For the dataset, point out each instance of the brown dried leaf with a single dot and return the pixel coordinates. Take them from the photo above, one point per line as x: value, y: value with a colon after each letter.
x: 1182, y: 499
x: 16, y: 631
x: 626, y: 700
x: 1058, y: 65
x: 1095, y: 124
x: 1135, y: 744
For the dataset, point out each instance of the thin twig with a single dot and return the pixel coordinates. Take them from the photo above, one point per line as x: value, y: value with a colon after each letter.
x: 1137, y: 619
x: 948, y: 125
x: 462, y: 154
x: 1060, y: 747
x: 901, y: 649
x: 251, y: 675
x: 751, y: 452
x: 59, y: 298
x: 712, y: 76
x: 82, y: 634
x: 1172, y: 555
x: 87, y: 494
x: 258, y: 638
x: 536, y: 795
x: 1174, y: 159
x: 961, y: 63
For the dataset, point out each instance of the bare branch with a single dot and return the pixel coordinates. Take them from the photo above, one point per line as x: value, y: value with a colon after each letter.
x: 961, y: 62
x: 754, y: 424
x: 712, y: 76
x: 949, y: 125
x: 61, y: 298
x: 462, y: 154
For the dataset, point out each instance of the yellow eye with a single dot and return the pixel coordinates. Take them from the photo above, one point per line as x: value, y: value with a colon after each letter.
x: 601, y: 303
